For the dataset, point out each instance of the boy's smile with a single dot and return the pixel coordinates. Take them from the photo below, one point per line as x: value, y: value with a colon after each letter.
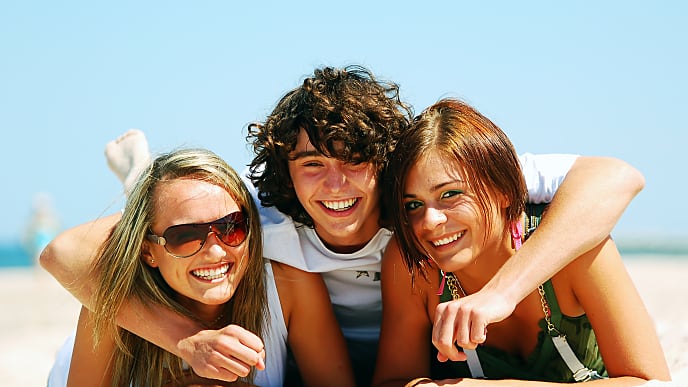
x: 341, y: 198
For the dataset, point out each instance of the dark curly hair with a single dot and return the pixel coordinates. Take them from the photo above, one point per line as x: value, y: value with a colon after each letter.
x: 334, y: 106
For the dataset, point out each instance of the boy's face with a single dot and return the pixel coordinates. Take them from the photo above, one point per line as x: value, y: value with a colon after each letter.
x: 342, y: 199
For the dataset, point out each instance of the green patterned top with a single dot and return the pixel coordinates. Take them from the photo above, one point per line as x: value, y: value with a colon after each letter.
x: 544, y: 363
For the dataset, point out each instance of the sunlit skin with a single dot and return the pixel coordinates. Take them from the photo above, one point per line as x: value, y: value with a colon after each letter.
x: 342, y: 199
x: 445, y: 217
x: 449, y: 224
x: 183, y: 201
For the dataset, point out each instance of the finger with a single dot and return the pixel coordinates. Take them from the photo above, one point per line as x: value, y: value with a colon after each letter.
x: 223, y: 374
x: 211, y: 371
x: 238, y: 358
x: 235, y: 367
x: 243, y: 344
x: 443, y: 332
x: 231, y: 353
x: 247, y: 338
x: 478, y: 332
x: 261, y: 362
x: 460, y: 357
x: 463, y: 329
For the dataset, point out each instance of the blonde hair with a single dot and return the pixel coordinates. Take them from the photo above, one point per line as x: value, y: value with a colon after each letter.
x: 122, y: 274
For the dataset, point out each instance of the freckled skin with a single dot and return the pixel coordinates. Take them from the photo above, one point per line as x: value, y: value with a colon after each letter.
x: 445, y: 217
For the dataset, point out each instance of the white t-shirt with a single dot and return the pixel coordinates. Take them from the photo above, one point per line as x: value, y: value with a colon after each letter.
x: 353, y: 280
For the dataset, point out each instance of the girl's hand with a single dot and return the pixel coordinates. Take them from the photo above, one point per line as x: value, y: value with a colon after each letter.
x: 224, y: 354
x: 464, y: 322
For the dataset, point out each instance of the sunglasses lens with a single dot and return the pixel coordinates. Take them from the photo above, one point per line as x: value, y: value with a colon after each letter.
x: 231, y: 229
x: 185, y: 239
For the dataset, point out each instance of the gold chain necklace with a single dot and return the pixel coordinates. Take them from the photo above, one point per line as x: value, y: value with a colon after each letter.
x: 217, y: 320
x: 547, y: 312
x: 473, y: 360
x: 457, y: 292
x: 454, y: 286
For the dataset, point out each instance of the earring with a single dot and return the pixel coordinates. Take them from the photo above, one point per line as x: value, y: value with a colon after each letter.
x: 516, y: 233
x: 440, y: 290
x: 152, y: 261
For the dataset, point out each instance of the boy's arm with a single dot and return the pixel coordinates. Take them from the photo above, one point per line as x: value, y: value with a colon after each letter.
x: 69, y: 256
x: 224, y: 354
x: 584, y: 210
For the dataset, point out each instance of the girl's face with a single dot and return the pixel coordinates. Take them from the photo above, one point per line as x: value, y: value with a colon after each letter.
x: 443, y: 213
x: 207, y: 279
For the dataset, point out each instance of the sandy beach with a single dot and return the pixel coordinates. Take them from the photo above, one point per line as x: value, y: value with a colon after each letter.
x: 38, y: 314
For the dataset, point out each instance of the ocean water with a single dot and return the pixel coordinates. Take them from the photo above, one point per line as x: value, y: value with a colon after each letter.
x: 14, y: 254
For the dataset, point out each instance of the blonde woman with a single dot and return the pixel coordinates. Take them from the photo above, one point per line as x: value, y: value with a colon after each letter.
x: 189, y: 239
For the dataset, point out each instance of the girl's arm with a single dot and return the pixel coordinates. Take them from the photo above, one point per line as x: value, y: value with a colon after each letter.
x: 314, y: 335
x: 404, y: 350
x: 625, y: 332
x: 603, y: 290
x: 224, y: 354
x: 90, y: 366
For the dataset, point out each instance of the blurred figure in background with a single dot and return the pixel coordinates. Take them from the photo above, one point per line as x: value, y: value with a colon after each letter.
x: 43, y: 225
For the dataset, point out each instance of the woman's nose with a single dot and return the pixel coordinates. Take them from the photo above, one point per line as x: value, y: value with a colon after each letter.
x: 214, y: 244
x: 433, y: 218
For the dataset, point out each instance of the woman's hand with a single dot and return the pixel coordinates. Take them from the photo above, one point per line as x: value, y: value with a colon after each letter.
x: 464, y: 322
x: 224, y: 354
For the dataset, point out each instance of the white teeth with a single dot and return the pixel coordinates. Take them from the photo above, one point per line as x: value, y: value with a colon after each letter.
x: 211, y: 274
x: 339, y: 205
x: 447, y: 240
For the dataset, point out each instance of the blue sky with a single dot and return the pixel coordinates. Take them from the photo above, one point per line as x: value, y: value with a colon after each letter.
x: 595, y: 78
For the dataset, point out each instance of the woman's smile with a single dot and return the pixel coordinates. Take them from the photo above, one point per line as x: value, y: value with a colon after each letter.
x: 447, y: 239
x: 212, y: 274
